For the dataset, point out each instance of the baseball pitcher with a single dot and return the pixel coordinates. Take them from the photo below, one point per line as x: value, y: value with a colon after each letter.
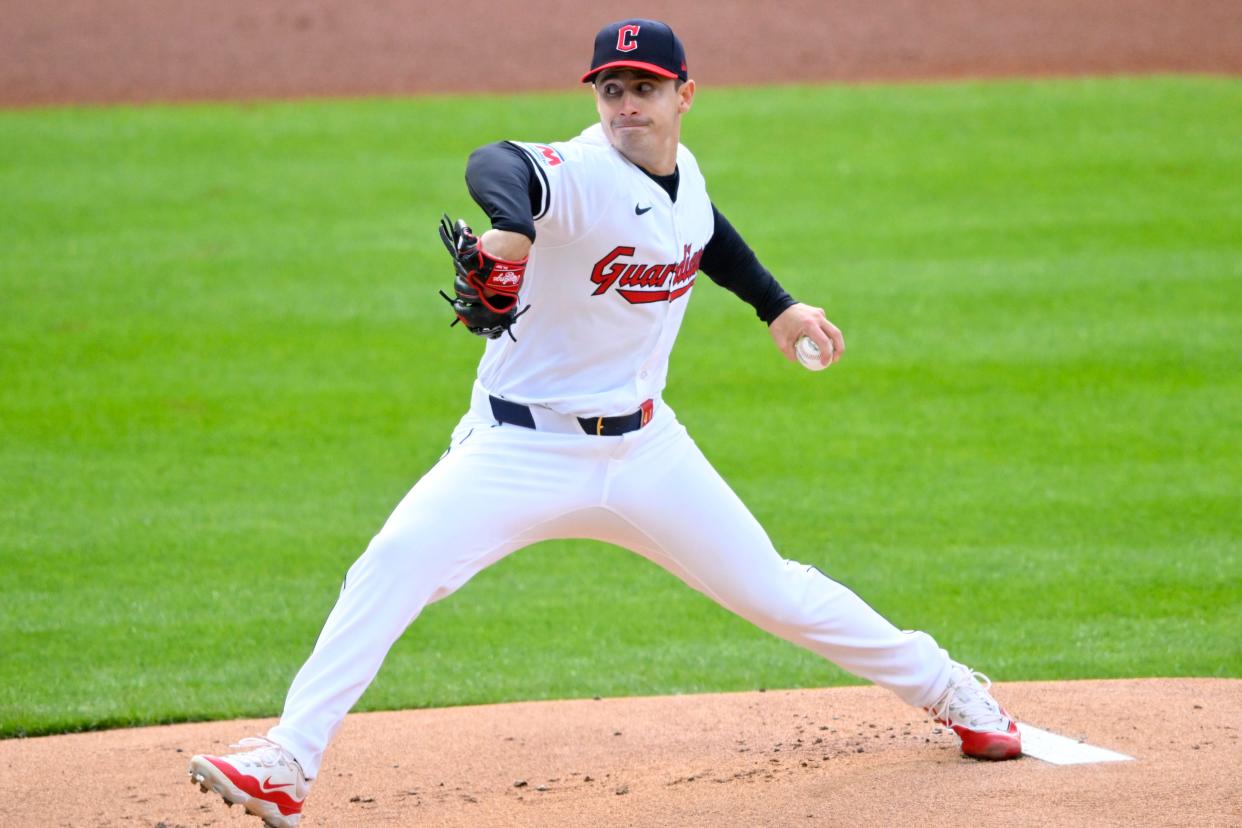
x: 580, y: 285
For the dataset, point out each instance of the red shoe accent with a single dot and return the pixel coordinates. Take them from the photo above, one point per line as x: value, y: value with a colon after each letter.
x: 250, y: 785
x: 268, y: 786
x: 981, y: 744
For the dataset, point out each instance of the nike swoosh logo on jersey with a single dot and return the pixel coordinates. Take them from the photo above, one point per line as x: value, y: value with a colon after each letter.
x: 268, y: 786
x: 638, y: 211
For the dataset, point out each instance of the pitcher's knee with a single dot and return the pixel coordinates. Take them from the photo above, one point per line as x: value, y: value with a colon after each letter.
x: 397, y: 558
x: 796, y: 599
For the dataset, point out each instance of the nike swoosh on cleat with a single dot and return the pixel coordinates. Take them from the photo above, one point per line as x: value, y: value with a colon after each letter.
x: 268, y: 786
x: 638, y: 211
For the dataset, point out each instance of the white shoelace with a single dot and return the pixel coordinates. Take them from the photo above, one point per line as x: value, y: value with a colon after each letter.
x: 263, y: 751
x: 966, y: 702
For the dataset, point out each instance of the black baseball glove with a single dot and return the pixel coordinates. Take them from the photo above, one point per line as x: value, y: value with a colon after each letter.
x: 486, y: 288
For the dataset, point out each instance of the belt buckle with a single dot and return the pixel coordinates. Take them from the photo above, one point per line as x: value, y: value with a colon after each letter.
x: 599, y: 426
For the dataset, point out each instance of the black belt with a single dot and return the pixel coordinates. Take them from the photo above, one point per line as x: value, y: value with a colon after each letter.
x: 519, y: 415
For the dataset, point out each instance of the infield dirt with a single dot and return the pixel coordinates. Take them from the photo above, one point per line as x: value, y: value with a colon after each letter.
x: 843, y: 756
x: 74, y: 51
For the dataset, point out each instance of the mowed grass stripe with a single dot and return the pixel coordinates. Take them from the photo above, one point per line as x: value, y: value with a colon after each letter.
x: 223, y: 362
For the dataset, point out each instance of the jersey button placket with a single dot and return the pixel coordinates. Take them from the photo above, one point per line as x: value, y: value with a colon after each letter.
x: 644, y: 372
x: 677, y: 257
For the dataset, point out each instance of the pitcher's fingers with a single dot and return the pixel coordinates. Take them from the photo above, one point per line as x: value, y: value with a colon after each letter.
x: 822, y: 341
x: 838, y: 340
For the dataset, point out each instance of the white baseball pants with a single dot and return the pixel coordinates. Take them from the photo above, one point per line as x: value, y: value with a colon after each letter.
x: 651, y: 491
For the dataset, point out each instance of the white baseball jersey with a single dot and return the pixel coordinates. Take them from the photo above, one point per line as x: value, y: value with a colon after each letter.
x: 609, y: 277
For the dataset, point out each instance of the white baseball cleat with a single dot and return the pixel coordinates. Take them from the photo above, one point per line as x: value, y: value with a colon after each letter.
x: 986, y: 730
x: 266, y: 780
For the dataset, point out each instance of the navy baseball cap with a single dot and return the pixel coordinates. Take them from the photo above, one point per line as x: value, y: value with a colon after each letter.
x: 638, y: 44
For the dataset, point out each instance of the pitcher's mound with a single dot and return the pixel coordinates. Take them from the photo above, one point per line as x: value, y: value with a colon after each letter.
x: 842, y: 756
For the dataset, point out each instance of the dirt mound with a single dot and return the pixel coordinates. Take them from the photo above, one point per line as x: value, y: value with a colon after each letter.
x: 143, y: 50
x: 853, y: 756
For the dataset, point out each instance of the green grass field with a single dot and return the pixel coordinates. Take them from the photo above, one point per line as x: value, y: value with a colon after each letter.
x: 223, y: 361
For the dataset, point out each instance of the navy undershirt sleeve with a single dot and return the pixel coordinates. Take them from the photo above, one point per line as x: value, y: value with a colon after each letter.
x: 730, y: 263
x: 503, y: 183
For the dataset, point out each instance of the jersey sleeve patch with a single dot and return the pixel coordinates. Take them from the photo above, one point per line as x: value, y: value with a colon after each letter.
x: 544, y: 154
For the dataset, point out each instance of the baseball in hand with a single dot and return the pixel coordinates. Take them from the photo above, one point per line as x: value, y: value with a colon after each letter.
x: 808, y: 353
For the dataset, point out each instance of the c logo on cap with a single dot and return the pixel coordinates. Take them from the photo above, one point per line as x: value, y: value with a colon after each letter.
x: 627, y: 38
